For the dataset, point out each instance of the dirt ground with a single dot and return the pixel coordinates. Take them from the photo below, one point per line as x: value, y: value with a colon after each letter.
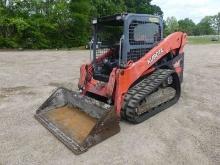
x: 186, y: 133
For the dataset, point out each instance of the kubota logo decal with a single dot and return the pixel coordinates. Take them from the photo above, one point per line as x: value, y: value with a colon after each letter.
x: 155, y: 56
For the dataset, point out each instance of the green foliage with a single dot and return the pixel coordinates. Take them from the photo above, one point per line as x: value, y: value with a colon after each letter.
x: 107, y: 7
x: 215, y: 21
x: 40, y: 24
x: 142, y: 6
x: 187, y: 25
x: 78, y: 33
x: 204, y: 27
x: 171, y: 25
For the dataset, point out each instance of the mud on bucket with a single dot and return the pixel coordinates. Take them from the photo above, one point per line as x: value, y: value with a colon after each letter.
x: 78, y: 121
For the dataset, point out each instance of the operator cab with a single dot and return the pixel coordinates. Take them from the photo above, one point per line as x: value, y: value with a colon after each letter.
x: 123, y: 38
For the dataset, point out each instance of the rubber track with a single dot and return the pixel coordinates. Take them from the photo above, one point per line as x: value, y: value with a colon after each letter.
x: 140, y: 91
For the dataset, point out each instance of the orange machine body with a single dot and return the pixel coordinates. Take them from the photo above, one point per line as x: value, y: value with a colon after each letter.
x: 121, y: 80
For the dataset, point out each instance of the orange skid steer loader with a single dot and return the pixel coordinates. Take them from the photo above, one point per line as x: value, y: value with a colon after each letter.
x: 134, y: 74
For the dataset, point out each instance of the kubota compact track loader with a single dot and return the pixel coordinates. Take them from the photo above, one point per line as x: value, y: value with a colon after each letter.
x: 134, y: 74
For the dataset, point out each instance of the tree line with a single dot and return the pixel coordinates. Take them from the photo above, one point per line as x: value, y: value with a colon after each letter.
x: 40, y: 24
x: 209, y: 25
x: 45, y: 24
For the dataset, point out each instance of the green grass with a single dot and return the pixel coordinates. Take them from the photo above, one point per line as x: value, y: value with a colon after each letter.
x: 201, y: 40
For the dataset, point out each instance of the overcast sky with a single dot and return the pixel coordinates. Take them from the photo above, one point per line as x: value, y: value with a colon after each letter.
x: 194, y: 9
